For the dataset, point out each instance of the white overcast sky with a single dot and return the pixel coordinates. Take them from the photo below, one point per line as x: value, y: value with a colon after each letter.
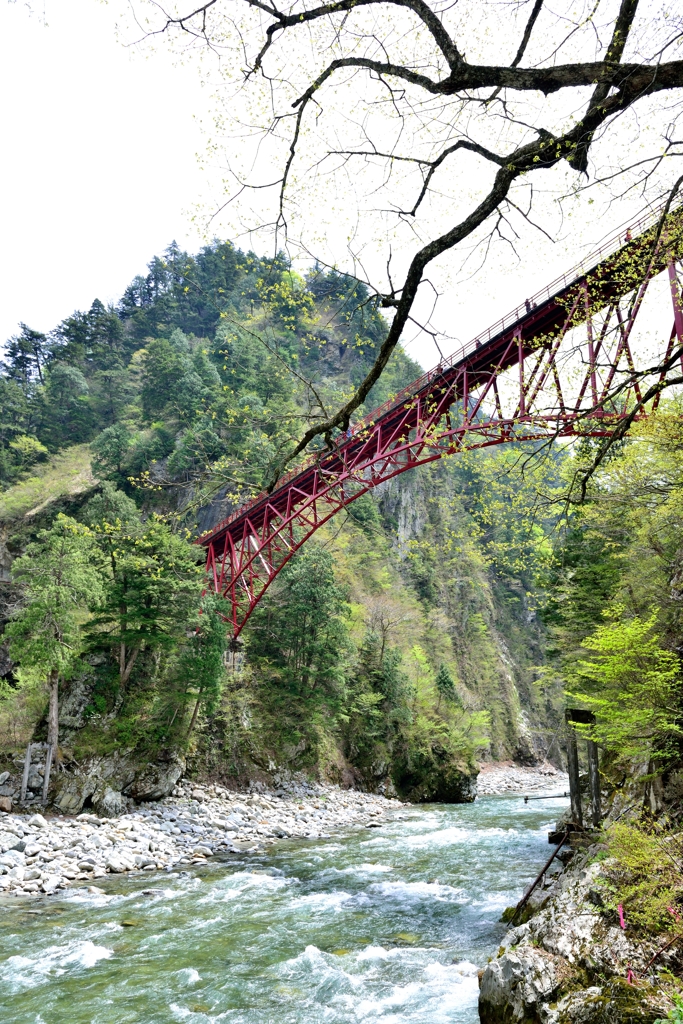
x: 100, y: 172
x: 99, y: 160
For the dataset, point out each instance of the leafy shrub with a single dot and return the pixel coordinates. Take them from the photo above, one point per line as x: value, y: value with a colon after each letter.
x: 645, y: 875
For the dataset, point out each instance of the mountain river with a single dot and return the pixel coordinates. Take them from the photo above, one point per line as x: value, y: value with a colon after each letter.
x: 388, y: 925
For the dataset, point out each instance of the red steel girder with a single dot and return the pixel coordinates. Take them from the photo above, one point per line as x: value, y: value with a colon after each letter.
x: 443, y: 411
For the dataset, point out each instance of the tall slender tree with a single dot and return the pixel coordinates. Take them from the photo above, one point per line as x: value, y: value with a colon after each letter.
x: 60, y: 576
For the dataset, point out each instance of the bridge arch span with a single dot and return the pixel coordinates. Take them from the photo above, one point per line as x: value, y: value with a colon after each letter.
x: 551, y: 368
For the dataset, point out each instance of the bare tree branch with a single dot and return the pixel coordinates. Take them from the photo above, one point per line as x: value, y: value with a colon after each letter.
x: 448, y: 84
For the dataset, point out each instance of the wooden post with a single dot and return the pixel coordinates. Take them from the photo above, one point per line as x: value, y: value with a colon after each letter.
x: 594, y: 782
x: 573, y: 771
x: 24, y: 777
x: 46, y: 777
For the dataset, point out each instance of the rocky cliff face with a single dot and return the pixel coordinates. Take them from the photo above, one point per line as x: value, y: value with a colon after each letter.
x: 573, y: 964
x: 494, y: 632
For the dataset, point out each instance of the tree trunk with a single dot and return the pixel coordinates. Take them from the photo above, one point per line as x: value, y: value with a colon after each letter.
x: 126, y: 667
x: 52, y: 729
x: 194, y: 714
x: 48, y: 766
x: 53, y: 713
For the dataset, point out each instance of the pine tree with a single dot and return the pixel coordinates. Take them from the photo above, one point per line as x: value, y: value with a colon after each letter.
x: 445, y: 685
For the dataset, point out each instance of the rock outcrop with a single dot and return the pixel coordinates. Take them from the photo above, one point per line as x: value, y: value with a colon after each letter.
x: 106, y: 783
x: 571, y: 963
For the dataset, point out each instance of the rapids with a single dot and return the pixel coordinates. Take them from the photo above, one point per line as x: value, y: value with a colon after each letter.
x: 388, y: 925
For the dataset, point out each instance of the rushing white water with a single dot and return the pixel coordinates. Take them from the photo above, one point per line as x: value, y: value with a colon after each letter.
x: 389, y: 925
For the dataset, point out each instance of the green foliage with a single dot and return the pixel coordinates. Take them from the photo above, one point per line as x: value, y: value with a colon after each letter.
x: 615, y: 594
x: 302, y: 635
x: 633, y: 686
x: 201, y: 667
x: 27, y: 450
x: 110, y: 449
x: 445, y: 685
x: 60, y: 580
x: 110, y: 506
x: 643, y: 874
x: 152, y: 587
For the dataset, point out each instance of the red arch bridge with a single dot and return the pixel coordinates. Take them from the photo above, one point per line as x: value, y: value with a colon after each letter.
x: 570, y: 361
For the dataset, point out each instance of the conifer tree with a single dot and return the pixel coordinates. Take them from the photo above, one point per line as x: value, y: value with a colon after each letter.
x: 445, y: 685
x: 60, y: 576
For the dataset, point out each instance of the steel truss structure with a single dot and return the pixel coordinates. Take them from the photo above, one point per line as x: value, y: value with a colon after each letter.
x: 563, y: 364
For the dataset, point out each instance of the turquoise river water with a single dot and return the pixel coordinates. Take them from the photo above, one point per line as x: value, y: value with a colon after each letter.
x: 387, y: 925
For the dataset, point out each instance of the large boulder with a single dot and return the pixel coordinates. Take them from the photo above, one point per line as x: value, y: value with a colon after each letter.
x: 155, y: 780
x: 513, y: 987
x: 106, y: 783
x: 435, y: 775
x: 108, y: 802
x: 569, y: 963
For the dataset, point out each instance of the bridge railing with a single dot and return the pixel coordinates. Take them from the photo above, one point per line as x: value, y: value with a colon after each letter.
x: 580, y: 270
x: 610, y: 246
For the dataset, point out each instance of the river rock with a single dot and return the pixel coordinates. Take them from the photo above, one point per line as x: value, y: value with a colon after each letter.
x: 155, y: 781
x: 73, y: 791
x: 110, y: 803
x: 4, y: 776
x: 437, y: 779
x: 114, y: 865
x: 5, y: 804
x: 10, y: 841
x: 38, y: 821
x: 107, y: 781
x: 50, y: 883
x: 513, y: 986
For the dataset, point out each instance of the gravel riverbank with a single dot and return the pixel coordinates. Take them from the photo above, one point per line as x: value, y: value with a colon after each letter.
x: 501, y: 777
x: 43, y: 854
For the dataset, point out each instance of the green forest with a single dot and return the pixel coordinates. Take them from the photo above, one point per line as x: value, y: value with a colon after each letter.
x: 446, y: 617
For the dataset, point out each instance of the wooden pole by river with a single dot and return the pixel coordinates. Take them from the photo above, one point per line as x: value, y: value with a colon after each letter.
x: 594, y: 782
x: 573, y: 771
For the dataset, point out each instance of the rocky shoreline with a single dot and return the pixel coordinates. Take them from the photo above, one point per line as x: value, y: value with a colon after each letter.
x: 572, y: 964
x: 43, y: 854
x: 499, y: 777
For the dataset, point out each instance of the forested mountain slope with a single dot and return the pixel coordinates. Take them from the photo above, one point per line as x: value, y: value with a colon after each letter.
x: 401, y: 644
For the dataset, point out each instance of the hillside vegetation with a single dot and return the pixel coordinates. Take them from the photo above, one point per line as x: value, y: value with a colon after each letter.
x: 402, y: 643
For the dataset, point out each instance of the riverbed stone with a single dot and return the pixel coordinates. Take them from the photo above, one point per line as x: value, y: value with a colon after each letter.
x: 158, y: 836
x: 5, y: 804
x: 10, y: 841
x: 37, y: 821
